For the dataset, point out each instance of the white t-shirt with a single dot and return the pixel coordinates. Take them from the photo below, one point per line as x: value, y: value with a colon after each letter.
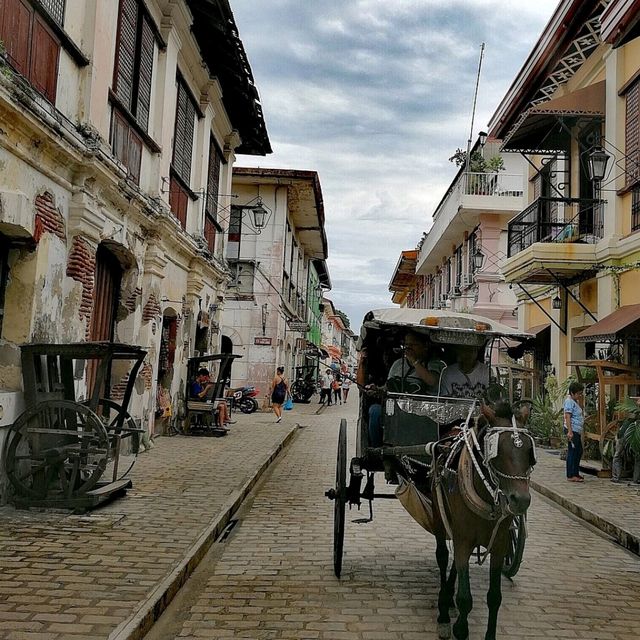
x: 346, y: 383
x: 456, y: 384
x: 327, y: 379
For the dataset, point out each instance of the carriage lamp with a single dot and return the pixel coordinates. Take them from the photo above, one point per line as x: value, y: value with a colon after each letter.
x: 556, y: 303
x: 478, y: 259
x: 549, y: 369
x: 482, y: 137
x: 597, y: 164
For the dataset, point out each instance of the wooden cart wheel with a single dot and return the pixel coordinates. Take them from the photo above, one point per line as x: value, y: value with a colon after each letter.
x: 340, y: 499
x: 58, y: 449
x: 517, y: 538
x: 109, y: 411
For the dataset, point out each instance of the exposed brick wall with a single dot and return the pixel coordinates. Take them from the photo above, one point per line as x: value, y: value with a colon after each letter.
x: 146, y: 373
x: 81, y: 266
x: 151, y: 309
x: 130, y: 302
x: 48, y: 219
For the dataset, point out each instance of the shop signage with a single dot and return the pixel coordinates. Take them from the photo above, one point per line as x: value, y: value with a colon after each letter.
x: 261, y: 340
x: 298, y: 326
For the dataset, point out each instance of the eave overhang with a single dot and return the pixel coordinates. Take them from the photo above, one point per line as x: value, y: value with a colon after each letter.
x: 216, y: 33
x: 404, y: 275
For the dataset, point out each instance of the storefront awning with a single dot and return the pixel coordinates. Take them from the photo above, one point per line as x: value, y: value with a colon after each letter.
x: 539, y: 129
x: 615, y: 326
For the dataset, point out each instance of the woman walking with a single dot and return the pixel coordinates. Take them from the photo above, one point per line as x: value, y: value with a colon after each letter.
x: 279, y: 391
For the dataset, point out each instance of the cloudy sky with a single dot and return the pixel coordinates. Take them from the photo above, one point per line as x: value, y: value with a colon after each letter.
x: 376, y: 95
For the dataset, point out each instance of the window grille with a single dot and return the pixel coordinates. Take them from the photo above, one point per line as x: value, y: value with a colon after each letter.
x: 55, y: 8
x: 632, y: 133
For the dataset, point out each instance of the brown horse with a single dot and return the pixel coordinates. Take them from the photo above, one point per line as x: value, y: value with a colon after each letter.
x: 481, y: 483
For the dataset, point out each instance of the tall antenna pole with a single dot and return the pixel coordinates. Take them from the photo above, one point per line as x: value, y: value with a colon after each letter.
x: 473, y: 112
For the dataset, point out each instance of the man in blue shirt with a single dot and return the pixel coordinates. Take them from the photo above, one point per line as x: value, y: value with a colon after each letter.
x: 201, y: 387
x: 573, y: 426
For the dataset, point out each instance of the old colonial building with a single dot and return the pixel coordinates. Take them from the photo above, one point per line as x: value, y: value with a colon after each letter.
x: 278, y: 272
x: 573, y: 251
x: 119, y: 125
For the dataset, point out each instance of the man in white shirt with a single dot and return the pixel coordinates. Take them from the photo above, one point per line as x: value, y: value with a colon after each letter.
x: 467, y: 377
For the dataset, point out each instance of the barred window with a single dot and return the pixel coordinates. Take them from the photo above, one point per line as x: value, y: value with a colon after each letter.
x: 55, y: 8
x: 183, y: 138
x: 635, y: 209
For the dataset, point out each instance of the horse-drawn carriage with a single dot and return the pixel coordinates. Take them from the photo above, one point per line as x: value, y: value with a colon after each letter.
x: 454, y: 445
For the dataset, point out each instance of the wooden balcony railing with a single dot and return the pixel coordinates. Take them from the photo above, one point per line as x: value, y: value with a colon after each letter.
x: 556, y: 220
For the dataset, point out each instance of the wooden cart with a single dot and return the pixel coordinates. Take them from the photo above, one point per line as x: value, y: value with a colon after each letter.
x: 65, y: 451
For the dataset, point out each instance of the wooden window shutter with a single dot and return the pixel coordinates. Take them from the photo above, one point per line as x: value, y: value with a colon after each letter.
x: 134, y: 155
x: 178, y: 201
x: 183, y: 138
x: 145, y: 75
x: 120, y: 137
x: 213, y: 180
x: 126, y: 52
x: 632, y: 134
x: 44, y: 60
x: 210, y: 232
x: 15, y: 33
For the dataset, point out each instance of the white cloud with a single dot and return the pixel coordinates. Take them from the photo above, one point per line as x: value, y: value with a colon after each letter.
x: 376, y: 96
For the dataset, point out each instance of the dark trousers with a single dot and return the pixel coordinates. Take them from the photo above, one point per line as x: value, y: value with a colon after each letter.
x: 574, y: 454
x: 325, y: 393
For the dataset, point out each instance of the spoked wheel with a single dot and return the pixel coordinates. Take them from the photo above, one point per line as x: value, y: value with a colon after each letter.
x: 57, y: 450
x: 339, y: 495
x: 517, y: 538
x: 130, y: 437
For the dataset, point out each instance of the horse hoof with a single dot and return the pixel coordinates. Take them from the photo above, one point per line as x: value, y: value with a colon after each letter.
x: 444, y: 630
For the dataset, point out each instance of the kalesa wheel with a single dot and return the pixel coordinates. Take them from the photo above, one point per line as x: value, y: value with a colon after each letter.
x: 109, y: 411
x: 340, y: 499
x: 517, y: 538
x: 57, y: 449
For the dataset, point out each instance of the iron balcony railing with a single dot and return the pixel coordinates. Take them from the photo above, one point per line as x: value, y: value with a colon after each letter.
x: 507, y: 185
x: 556, y: 220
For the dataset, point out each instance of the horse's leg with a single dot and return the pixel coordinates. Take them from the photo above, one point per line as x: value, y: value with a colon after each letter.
x: 445, y: 597
x: 451, y: 584
x: 494, y: 595
x: 462, y: 552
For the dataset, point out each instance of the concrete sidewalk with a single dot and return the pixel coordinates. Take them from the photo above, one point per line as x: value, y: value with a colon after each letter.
x: 612, y: 508
x: 110, y: 573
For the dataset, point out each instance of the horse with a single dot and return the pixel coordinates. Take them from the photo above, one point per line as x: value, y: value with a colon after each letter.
x: 480, y: 483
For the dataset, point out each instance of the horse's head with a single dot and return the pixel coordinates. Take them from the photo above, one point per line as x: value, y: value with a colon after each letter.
x: 509, y: 452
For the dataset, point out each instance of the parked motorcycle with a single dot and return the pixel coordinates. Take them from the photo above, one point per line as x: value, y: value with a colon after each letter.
x: 244, y: 398
x: 303, y: 389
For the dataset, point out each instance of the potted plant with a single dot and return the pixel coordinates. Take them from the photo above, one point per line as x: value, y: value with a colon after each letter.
x: 479, y: 184
x: 545, y: 421
x: 629, y: 428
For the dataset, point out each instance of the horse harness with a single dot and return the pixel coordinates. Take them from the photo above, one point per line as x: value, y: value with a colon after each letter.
x: 469, y: 455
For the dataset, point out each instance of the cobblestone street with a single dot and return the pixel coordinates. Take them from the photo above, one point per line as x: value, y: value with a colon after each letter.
x: 273, y: 576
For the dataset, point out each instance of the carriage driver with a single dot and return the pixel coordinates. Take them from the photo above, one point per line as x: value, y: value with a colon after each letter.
x: 413, y: 373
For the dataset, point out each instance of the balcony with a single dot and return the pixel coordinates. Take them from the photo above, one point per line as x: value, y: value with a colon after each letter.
x: 553, y: 238
x: 470, y: 196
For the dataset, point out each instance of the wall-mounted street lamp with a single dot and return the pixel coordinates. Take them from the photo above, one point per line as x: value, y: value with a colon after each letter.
x: 597, y: 161
x: 556, y: 303
x: 482, y: 137
x: 478, y: 259
x: 549, y: 369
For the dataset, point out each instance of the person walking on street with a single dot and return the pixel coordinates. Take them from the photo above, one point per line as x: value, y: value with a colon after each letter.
x: 325, y: 391
x: 346, y: 385
x: 573, y: 426
x: 336, y: 385
x: 279, y: 391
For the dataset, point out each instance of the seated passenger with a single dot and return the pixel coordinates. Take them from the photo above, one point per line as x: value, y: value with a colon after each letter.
x: 467, y: 377
x: 201, y: 389
x: 414, y: 373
